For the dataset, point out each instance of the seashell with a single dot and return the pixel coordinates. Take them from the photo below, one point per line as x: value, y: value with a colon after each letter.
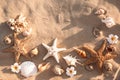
x: 44, y: 66
x: 28, y: 69
x: 58, y: 70
x: 110, y: 48
x: 81, y: 53
x: 100, y: 11
x: 97, y: 32
x: 89, y: 67
x: 34, y: 52
x: 7, y: 40
x: 109, y: 22
x: 27, y: 32
x: 108, y: 66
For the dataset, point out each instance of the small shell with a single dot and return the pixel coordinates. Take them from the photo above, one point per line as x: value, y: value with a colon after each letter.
x: 28, y: 69
x: 89, y: 67
x: 97, y: 32
x: 43, y: 66
x: 100, y: 11
x: 58, y: 70
x: 34, y: 52
x: 81, y: 53
x: 110, y: 48
x: 27, y: 32
x: 7, y: 40
x: 108, y: 66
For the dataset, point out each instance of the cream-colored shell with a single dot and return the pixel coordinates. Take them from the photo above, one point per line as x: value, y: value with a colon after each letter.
x: 34, y: 52
x: 58, y: 70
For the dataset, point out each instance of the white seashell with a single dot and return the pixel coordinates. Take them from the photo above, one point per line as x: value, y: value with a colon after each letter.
x: 43, y: 66
x: 109, y: 22
x: 71, y: 60
x: 28, y: 69
x: 27, y: 32
x: 34, y: 52
x: 58, y: 70
x: 7, y: 40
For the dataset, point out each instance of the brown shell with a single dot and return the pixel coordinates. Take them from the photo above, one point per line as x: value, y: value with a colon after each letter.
x: 82, y: 53
x: 110, y: 48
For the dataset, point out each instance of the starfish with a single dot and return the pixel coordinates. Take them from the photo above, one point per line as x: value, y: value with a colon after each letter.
x: 53, y: 50
x: 98, y: 57
x: 17, y: 48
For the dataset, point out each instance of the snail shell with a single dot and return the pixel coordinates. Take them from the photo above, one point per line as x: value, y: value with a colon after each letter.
x: 34, y: 52
x: 81, y: 53
x: 43, y: 66
x: 7, y: 40
x: 58, y: 70
x: 110, y: 48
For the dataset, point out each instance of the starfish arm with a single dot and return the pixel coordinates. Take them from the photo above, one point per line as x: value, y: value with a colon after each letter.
x: 99, y: 65
x: 92, y: 52
x: 110, y: 56
x: 46, y: 56
x: 6, y: 50
x: 90, y: 61
x: 17, y: 56
x: 56, y: 57
x: 55, y: 43
x: 102, y: 48
x: 46, y: 46
x: 61, y: 49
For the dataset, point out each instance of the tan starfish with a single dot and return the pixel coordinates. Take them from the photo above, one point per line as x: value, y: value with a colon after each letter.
x: 98, y: 57
x: 17, y: 48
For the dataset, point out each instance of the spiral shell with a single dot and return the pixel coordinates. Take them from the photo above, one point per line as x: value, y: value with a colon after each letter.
x: 7, y: 40
x: 28, y: 69
x: 43, y: 66
x: 81, y: 53
x: 58, y: 70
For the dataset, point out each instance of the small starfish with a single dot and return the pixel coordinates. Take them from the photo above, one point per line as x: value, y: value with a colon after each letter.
x: 17, y: 48
x: 53, y: 50
x: 98, y: 57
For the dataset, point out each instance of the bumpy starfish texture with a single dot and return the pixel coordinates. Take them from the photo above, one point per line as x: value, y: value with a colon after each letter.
x: 98, y: 57
x: 17, y: 48
x: 53, y: 50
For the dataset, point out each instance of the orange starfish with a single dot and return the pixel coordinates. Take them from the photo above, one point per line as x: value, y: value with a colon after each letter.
x: 98, y: 57
x: 17, y: 48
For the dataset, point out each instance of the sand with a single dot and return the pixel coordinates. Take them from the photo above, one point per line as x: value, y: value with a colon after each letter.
x: 71, y: 21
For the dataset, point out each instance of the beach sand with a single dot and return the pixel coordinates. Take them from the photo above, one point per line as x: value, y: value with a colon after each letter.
x: 71, y: 21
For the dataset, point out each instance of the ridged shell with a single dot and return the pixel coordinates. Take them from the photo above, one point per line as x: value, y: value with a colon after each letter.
x: 43, y: 66
x: 81, y: 53
x: 28, y: 69
x: 58, y: 70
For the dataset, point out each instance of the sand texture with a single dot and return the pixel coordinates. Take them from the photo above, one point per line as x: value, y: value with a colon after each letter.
x: 71, y: 21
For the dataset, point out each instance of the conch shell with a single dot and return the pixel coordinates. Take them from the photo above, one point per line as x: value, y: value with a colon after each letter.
x: 34, y: 52
x: 43, y: 66
x: 58, y: 70
x: 81, y: 53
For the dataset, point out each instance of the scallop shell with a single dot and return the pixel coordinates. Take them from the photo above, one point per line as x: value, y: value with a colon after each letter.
x: 100, y: 11
x: 81, y: 53
x: 28, y: 69
x: 7, y: 40
x: 110, y: 48
x: 43, y: 66
x: 58, y: 70
x: 34, y: 52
